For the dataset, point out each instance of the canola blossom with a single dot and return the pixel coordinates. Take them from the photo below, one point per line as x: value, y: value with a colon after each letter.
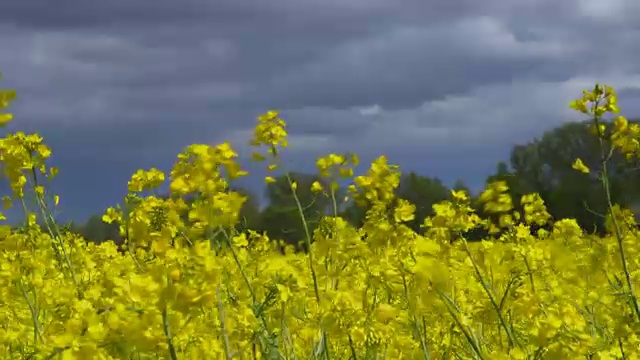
x: 187, y: 284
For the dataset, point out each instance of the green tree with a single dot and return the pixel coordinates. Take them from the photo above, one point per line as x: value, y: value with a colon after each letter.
x: 423, y: 192
x: 250, y: 211
x: 461, y: 185
x: 281, y: 219
x: 97, y: 231
x: 355, y: 214
x: 544, y: 166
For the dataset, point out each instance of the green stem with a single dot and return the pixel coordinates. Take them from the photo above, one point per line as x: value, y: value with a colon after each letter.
x: 34, y: 313
x: 510, y: 336
x: 307, y: 233
x: 167, y: 333
x: 225, y: 337
x: 474, y: 344
x: 618, y: 232
x: 51, y: 226
x: 530, y: 273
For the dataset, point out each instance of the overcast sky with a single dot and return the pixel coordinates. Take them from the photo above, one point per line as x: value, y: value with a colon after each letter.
x: 443, y: 87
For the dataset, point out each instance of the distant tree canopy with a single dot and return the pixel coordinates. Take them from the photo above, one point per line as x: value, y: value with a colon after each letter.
x: 281, y: 218
x: 542, y: 166
x: 98, y: 231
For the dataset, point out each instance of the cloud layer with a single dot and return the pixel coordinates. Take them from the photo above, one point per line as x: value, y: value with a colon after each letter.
x: 442, y: 87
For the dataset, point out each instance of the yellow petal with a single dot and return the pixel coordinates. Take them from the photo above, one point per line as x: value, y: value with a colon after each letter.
x: 5, y: 119
x: 580, y: 166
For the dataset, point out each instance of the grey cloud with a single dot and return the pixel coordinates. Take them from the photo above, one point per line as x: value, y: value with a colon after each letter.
x: 296, y: 53
x: 494, y: 70
x: 409, y: 66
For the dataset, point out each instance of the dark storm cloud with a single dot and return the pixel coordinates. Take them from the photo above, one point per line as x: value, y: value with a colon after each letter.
x: 286, y: 53
x: 431, y: 82
x: 281, y: 52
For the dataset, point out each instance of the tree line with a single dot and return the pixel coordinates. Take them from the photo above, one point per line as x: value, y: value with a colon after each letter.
x: 542, y: 166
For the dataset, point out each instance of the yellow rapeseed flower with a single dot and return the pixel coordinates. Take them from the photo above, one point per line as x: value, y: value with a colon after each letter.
x: 580, y: 166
